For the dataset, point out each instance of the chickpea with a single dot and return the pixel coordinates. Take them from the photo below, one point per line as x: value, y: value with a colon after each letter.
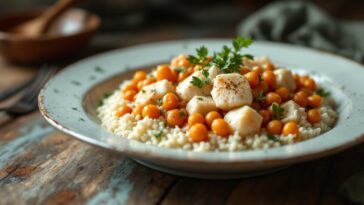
x: 314, y: 101
x: 139, y: 76
x: 284, y: 93
x: 269, y: 77
x: 220, y: 127
x: 151, y: 111
x: 274, y: 127
x: 252, y: 78
x: 313, y: 116
x: 199, y: 133
x: 176, y: 117
x: 301, y: 98
x: 290, y: 128
x: 195, y: 118
x: 211, y: 116
x: 170, y: 101
x: 272, y: 97
x: 123, y: 110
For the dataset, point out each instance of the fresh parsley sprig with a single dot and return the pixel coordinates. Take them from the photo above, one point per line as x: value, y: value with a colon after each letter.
x: 201, y: 58
x: 229, y: 60
x: 196, y: 81
x: 321, y: 92
x: 277, y: 111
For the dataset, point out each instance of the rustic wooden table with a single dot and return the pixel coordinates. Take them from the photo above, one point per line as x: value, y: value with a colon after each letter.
x: 40, y: 165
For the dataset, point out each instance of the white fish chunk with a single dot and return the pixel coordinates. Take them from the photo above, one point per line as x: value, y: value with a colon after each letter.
x: 201, y: 104
x: 245, y: 120
x: 284, y: 78
x: 150, y: 93
x: 231, y: 91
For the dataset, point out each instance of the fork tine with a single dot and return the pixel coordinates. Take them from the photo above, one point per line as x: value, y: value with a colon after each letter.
x: 33, y: 91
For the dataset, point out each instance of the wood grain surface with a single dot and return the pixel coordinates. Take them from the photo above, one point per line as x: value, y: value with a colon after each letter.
x: 39, y: 165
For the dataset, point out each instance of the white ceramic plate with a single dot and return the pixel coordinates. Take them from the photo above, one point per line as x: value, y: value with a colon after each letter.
x: 69, y: 101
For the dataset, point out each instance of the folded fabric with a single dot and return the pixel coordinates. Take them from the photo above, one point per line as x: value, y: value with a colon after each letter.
x: 305, y: 24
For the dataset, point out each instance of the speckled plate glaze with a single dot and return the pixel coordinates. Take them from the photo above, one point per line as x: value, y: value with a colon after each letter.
x: 69, y: 103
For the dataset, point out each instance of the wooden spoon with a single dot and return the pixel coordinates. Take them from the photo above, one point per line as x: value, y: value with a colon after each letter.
x: 39, y: 25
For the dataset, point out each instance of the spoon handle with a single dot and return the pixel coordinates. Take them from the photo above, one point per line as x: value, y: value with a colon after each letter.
x: 50, y: 15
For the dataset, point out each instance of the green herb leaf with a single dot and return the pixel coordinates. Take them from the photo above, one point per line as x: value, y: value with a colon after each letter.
x: 159, y: 101
x: 143, y: 91
x: 193, y: 60
x: 202, y: 52
x: 179, y: 70
x: 277, y: 111
x: 200, y: 99
x: 261, y: 97
x: 273, y: 138
x: 159, y: 134
x: 248, y: 56
x: 205, y: 73
x: 240, y: 42
x: 182, y: 113
x: 321, y: 92
x: 196, y: 82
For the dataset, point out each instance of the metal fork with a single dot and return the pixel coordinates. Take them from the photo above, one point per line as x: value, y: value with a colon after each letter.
x: 28, y: 102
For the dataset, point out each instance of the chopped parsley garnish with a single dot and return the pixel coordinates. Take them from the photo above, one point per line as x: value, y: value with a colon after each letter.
x: 196, y: 82
x: 159, y: 101
x: 200, y: 99
x: 182, y: 113
x: 205, y: 73
x: 230, y: 60
x: 159, y: 134
x: 272, y: 137
x: 277, y: 111
x: 143, y: 91
x: 321, y: 92
x: 260, y: 78
x: 261, y: 96
x: 201, y: 58
x: 179, y: 70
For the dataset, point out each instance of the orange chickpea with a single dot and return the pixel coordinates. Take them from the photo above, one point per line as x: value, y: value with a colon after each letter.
x: 170, y: 101
x: 145, y: 82
x: 130, y: 86
x: 272, y: 97
x: 151, y: 111
x: 123, y: 110
x: 262, y: 88
x: 199, y: 133
x: 274, y: 127
x: 195, y: 118
x: 269, y: 77
x: 255, y: 106
x: 314, y: 101
x: 313, y: 116
x: 139, y: 76
x: 290, y: 128
x: 309, y: 84
x: 129, y: 95
x: 265, y: 115
x: 183, y: 75
x: 164, y: 72
x: 268, y: 66
x: 211, y: 116
x: 220, y: 127
x: 244, y: 70
x: 257, y: 69
x: 176, y: 117
x: 301, y: 98
x: 284, y: 93
x: 307, y: 91
x: 138, y: 110
x: 252, y: 78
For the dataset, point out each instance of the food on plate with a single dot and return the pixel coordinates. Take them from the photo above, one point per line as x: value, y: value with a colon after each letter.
x: 227, y: 101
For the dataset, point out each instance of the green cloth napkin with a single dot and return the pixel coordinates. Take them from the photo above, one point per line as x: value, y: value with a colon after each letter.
x: 305, y: 24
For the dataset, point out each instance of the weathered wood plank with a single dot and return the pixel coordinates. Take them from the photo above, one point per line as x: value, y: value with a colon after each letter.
x: 194, y: 191
x: 299, y: 184
x: 56, y: 169
x: 344, y: 165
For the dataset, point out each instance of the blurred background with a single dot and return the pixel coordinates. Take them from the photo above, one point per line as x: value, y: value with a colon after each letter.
x: 126, y: 22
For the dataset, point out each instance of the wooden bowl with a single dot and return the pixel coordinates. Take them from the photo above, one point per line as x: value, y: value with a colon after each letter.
x: 66, y: 36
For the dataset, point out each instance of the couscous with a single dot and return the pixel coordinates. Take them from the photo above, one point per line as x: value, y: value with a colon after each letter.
x: 226, y: 102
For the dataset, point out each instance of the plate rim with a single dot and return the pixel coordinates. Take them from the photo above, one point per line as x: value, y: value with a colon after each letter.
x: 137, y: 154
